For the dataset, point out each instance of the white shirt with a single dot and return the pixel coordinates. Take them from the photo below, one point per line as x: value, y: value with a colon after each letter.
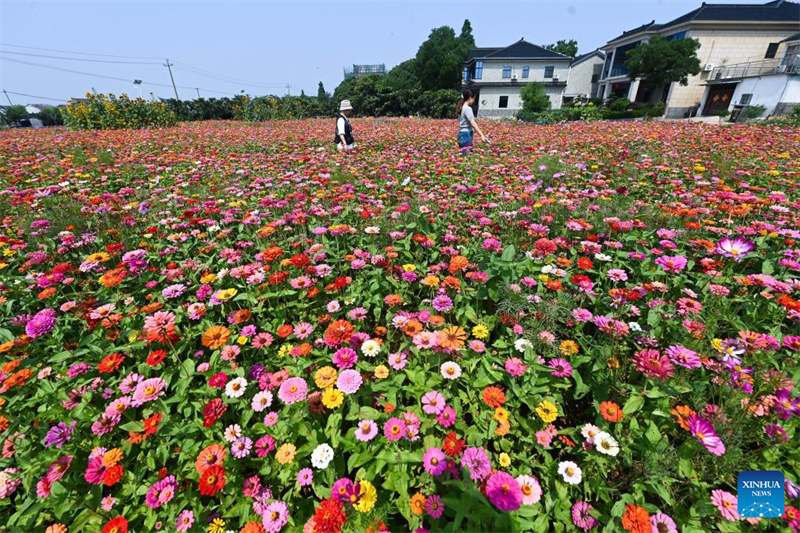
x: 340, y: 126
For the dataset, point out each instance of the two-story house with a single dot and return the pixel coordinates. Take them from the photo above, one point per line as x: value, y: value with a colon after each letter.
x: 728, y: 34
x: 584, y: 76
x: 497, y: 76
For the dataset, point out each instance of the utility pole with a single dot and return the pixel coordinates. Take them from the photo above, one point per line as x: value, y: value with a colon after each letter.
x: 7, y: 97
x: 169, y: 67
x: 288, y: 90
x: 198, y: 92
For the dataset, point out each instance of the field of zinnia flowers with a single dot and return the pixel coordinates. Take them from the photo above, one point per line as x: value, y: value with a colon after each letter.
x: 221, y: 327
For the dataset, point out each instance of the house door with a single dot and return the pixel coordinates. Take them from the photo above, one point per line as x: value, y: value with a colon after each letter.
x: 719, y: 98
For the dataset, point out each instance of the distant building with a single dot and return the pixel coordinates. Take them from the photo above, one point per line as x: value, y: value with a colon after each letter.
x: 362, y: 70
x: 583, y: 81
x: 497, y: 76
x: 729, y: 34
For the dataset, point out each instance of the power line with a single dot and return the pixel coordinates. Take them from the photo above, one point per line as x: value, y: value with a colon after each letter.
x: 35, y: 96
x: 77, y: 53
x: 101, y: 75
x: 208, y: 74
x: 81, y: 59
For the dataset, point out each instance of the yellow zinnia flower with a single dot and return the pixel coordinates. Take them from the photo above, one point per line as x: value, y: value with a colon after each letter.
x: 286, y: 453
x: 332, y: 398
x: 504, y: 460
x: 381, y: 372
x: 325, y: 377
x: 480, y: 331
x: 368, y: 496
x: 227, y: 294
x: 547, y: 411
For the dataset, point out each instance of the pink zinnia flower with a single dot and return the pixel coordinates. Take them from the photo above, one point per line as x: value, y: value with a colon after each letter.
x: 293, y: 390
x: 447, y: 417
x: 433, y: 403
x: 531, y: 490
x: 737, y: 248
x: 366, y: 430
x: 394, y: 429
x: 434, y: 461
x: 349, y: 381
x: 185, y: 520
x: 683, y: 357
x: 147, y: 391
x: 672, y: 264
x: 727, y: 504
x: 345, y: 358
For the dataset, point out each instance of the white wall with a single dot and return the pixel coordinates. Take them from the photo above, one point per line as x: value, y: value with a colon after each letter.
x: 493, y: 70
x: 580, y: 77
x: 491, y: 96
x: 723, y: 47
x: 768, y: 91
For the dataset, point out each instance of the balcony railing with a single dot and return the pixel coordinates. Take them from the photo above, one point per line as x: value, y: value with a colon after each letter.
x: 756, y: 68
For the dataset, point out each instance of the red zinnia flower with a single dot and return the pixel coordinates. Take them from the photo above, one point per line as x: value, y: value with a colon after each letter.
x: 112, y: 475
x: 453, y: 446
x: 585, y: 263
x: 116, y: 525
x: 212, y: 480
x: 151, y: 424
x: 330, y: 517
x: 338, y: 331
x: 213, y: 411
x: 285, y: 330
x: 110, y: 363
x: 156, y: 358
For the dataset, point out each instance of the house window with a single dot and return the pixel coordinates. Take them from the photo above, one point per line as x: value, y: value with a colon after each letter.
x: 676, y: 36
x: 503, y: 102
x: 772, y: 49
x: 526, y: 71
x: 466, y: 73
x: 478, y: 70
x: 745, y: 99
x: 548, y: 71
x: 595, y: 77
x: 507, y: 72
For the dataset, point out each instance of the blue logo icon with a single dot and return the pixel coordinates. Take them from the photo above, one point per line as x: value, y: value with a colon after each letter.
x: 760, y: 494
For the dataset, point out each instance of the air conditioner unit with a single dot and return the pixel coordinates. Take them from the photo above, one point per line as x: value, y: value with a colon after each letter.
x: 708, y: 67
x: 555, y: 77
x: 514, y: 77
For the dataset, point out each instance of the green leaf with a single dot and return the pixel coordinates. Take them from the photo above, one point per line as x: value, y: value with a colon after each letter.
x: 508, y: 253
x: 767, y: 268
x: 652, y: 433
x: 633, y: 404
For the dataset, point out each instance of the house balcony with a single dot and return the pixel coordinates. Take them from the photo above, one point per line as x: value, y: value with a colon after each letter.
x: 754, y: 69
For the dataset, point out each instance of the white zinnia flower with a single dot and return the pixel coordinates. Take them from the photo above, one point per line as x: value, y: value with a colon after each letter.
x: 233, y: 432
x: 522, y: 344
x: 450, y: 370
x: 235, y: 387
x: 321, y: 456
x: 603, y: 257
x: 606, y: 444
x: 370, y: 348
x: 570, y: 472
x: 261, y: 401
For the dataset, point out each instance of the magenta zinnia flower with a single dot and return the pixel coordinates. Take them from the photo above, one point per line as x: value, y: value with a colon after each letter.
x: 704, y: 432
x: 504, y: 491
x: 736, y: 248
x: 345, y: 358
x: 434, y: 506
x: 672, y: 264
x: 561, y: 368
x: 581, y: 517
x: 41, y: 324
x: 275, y: 516
x: 434, y: 461
x: 394, y: 429
x: 683, y: 357
x: 59, y: 434
x: 653, y: 364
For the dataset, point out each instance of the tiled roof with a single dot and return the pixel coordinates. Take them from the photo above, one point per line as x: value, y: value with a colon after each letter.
x: 521, y: 49
x: 586, y: 56
x: 776, y: 11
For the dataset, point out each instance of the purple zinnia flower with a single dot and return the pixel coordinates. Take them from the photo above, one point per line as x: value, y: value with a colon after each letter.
x: 478, y: 463
x: 504, y: 492
x: 434, y: 506
x: 442, y: 303
x: 305, y: 477
x: 41, y: 324
x: 59, y: 434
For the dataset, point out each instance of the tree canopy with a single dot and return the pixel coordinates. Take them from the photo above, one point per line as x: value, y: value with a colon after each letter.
x: 534, y: 98
x: 441, y: 57
x: 567, y: 48
x: 660, y: 61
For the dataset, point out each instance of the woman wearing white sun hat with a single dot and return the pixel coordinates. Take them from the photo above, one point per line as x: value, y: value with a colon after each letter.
x: 344, y: 132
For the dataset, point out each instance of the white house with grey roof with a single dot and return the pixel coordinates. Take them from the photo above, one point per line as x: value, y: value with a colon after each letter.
x: 497, y: 75
x: 737, y: 41
x: 583, y: 82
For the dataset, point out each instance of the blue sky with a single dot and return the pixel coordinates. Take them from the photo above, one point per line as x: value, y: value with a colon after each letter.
x: 218, y: 46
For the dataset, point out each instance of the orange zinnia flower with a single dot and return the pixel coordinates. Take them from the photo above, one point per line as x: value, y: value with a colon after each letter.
x: 216, y: 337
x: 458, y: 263
x: 338, y: 331
x: 611, y: 411
x: 636, y: 519
x: 417, y: 504
x: 452, y: 337
x: 110, y: 363
x: 494, y: 396
x: 412, y: 327
x: 682, y: 413
x: 210, y: 456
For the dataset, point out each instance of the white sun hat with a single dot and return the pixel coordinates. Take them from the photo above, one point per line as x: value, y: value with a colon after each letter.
x: 345, y: 105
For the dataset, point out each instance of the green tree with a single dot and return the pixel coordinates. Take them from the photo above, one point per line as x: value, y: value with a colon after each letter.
x: 567, y: 48
x: 440, y: 59
x: 51, y: 116
x: 534, y: 98
x: 660, y: 61
x: 321, y: 94
x: 402, y: 77
x: 15, y: 113
x: 465, y: 37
